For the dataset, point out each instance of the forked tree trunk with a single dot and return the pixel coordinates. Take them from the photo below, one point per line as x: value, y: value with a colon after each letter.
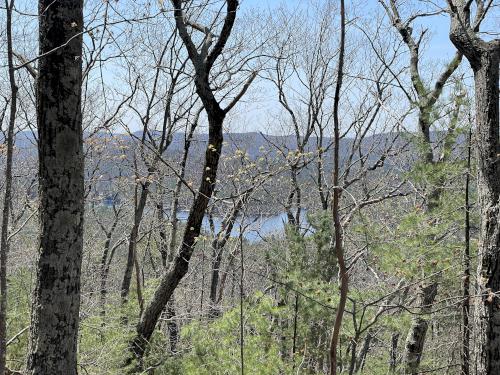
x: 426, y: 100
x: 56, y: 301
x: 203, y: 61
x: 132, y: 242
x: 218, y: 244
x: 180, y: 264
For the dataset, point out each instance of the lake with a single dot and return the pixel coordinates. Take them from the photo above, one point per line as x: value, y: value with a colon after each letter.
x: 256, y: 227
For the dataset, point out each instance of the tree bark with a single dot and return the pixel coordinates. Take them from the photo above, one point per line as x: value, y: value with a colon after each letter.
x: 467, y: 270
x: 416, y: 337
x: 487, y: 315
x: 338, y: 240
x: 393, y: 358
x: 56, y: 303
x: 7, y: 199
x: 484, y: 58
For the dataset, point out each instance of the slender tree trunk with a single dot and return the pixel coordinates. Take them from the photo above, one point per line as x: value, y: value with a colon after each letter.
x: 132, y: 243
x: 103, y: 269
x: 214, y: 281
x: 322, y: 188
x: 360, y: 363
x: 242, y: 311
x: 466, y: 276
x: 393, y: 358
x: 294, y: 189
x: 103, y: 273
x: 172, y: 328
x: 295, y: 322
x: 7, y: 199
x: 218, y: 245
x: 56, y: 302
x: 416, y: 337
x: 338, y: 245
x: 353, y: 348
x: 228, y: 270
x: 140, y: 298
x: 160, y: 212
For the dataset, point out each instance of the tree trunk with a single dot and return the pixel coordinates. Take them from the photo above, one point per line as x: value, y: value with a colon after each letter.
x: 416, y: 337
x: 426, y: 104
x: 103, y: 290
x: 487, y: 315
x: 484, y: 58
x: 338, y: 240
x: 466, y: 274
x: 7, y: 199
x: 172, y: 328
x: 360, y: 363
x: 160, y: 212
x: 218, y: 245
x: 104, y: 267
x: 56, y: 303
x: 393, y: 359
x: 180, y: 264
x: 132, y: 243
x: 214, y: 281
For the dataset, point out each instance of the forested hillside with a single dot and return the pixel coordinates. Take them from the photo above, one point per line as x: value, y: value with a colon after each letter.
x: 259, y: 187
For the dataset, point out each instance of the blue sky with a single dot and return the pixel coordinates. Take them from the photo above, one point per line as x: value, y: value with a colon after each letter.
x: 438, y: 47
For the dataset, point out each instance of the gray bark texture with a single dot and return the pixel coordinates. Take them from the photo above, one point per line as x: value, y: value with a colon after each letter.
x: 484, y: 58
x: 56, y: 301
x: 487, y: 315
x: 6, y: 205
x: 416, y: 337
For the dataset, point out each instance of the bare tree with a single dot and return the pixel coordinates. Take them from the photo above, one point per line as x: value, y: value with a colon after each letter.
x: 304, y: 77
x: 152, y: 140
x: 203, y: 60
x: 425, y: 100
